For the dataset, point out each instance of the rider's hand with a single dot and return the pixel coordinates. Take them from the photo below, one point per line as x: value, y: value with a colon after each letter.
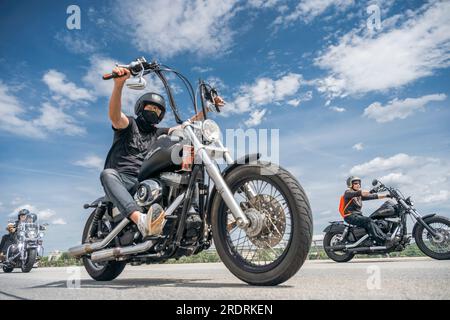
x: 120, y: 72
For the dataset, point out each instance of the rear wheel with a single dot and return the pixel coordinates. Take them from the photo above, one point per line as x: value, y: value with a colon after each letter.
x: 333, y: 238
x: 7, y: 269
x: 278, y: 241
x: 31, y: 259
x: 434, y: 247
x: 104, y: 271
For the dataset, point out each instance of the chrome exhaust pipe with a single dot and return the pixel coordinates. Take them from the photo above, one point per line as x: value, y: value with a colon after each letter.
x: 348, y: 246
x: 114, y: 253
x: 87, y: 248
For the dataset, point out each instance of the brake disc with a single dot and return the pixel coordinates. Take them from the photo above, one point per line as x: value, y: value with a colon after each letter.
x: 270, y: 221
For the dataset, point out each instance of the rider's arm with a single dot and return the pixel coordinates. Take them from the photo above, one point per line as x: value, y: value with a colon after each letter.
x: 118, y: 119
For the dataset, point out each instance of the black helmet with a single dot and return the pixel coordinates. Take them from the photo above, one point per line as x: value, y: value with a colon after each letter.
x: 33, y: 217
x: 150, y: 98
x: 23, y: 212
x: 352, y: 179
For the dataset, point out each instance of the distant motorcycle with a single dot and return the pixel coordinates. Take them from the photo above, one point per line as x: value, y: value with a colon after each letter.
x: 26, y: 247
x: 431, y: 232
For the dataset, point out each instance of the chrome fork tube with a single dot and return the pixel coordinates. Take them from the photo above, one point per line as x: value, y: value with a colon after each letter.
x: 216, y: 176
x: 248, y: 189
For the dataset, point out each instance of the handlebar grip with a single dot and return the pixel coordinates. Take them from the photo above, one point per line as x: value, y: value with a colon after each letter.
x: 109, y: 76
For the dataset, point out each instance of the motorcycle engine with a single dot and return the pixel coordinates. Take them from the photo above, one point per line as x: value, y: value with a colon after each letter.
x: 385, y: 226
x: 193, y: 228
x: 148, y: 192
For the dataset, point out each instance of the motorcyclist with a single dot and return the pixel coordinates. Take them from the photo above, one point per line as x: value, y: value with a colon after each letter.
x: 7, y: 239
x: 353, y: 198
x: 132, y: 138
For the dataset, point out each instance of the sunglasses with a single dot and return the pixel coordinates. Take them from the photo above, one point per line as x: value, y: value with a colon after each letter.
x: 357, y: 183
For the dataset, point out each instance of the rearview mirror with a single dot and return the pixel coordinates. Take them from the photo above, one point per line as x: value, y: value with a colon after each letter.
x: 374, y: 182
x: 136, y: 83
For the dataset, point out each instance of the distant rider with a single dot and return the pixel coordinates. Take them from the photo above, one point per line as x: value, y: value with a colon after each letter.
x: 7, y: 239
x: 353, y: 198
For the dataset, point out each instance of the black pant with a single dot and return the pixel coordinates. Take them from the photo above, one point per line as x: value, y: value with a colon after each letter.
x: 371, y: 227
x: 6, y: 242
x: 117, y: 187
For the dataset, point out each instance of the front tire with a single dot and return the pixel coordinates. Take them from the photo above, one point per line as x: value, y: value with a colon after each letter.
x: 105, y: 271
x: 438, y: 249
x: 328, y: 241
x: 287, y: 262
x: 31, y: 259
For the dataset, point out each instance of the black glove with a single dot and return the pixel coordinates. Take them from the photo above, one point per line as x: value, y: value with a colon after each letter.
x: 389, y: 196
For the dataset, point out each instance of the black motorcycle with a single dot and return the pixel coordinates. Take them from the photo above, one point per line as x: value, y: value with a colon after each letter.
x: 256, y: 212
x: 431, y: 232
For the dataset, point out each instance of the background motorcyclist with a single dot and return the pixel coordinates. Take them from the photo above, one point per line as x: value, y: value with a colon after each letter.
x: 132, y: 139
x: 353, y: 198
x: 7, y: 239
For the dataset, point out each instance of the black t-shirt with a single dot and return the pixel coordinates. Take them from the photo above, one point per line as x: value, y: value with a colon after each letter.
x: 130, y: 146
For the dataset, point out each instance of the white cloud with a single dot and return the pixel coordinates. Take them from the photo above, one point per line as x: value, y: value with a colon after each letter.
x: 265, y: 91
x: 256, y: 118
x: 11, y: 116
x: 91, y: 162
x: 59, y: 221
x: 427, y: 179
x: 400, y: 109
x: 360, y: 63
x: 359, y: 146
x: 173, y: 27
x: 202, y: 69
x: 263, y: 3
x: 338, y: 109
x: 54, y: 119
x: 383, y: 164
x: 75, y: 42
x: 58, y: 84
x: 308, y: 10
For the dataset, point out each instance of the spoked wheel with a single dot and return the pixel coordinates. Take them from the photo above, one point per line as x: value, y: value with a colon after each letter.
x: 7, y: 269
x: 332, y: 239
x: 100, y: 271
x: 277, y: 242
x: 435, y: 247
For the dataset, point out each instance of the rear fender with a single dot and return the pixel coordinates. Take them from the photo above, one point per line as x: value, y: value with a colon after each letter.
x: 336, y: 226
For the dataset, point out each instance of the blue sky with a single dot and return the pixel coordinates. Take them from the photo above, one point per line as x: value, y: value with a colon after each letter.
x: 346, y: 99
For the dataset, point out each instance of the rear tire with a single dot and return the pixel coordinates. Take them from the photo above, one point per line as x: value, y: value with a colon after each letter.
x: 327, y: 242
x: 106, y: 271
x: 296, y: 251
x: 31, y: 259
x: 419, y: 238
x: 7, y: 269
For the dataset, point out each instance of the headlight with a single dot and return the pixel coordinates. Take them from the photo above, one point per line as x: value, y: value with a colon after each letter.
x: 210, y: 130
x: 41, y: 234
x: 32, y: 234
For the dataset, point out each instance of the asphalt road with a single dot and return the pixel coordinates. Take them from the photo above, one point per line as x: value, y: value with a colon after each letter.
x: 399, y: 278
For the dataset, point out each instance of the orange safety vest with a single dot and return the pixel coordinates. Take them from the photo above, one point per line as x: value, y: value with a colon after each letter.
x: 343, y: 206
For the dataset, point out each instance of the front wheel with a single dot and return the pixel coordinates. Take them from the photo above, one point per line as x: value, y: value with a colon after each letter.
x: 31, y: 259
x: 333, y: 238
x: 104, y: 271
x: 278, y: 240
x: 434, y: 247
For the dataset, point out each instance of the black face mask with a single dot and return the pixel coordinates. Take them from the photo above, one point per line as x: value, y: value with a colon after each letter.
x: 147, y: 119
